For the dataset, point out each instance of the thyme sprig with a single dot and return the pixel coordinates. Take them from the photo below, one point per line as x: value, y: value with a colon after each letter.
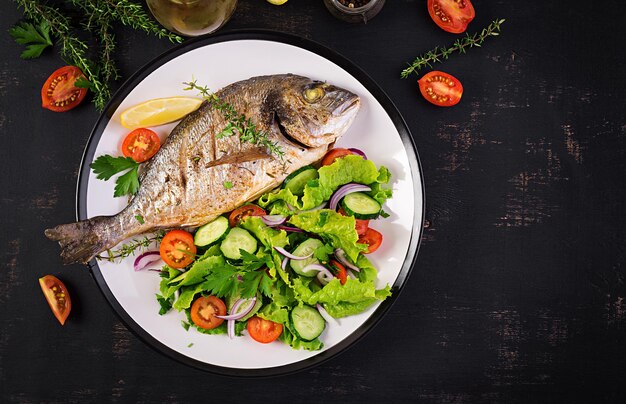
x: 461, y: 45
x: 247, y: 130
x: 128, y: 249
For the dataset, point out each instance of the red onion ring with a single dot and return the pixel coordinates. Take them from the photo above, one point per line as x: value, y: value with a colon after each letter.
x: 351, y: 274
x: 145, y: 259
x: 325, y: 315
x: 341, y: 257
x: 345, y: 190
x: 359, y: 152
x: 323, y: 274
x: 273, y: 220
x: 230, y: 326
x: 235, y: 315
x: 283, y: 265
x: 289, y: 228
x: 290, y: 255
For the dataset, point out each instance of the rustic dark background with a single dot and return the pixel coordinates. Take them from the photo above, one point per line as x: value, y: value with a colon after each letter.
x: 518, y: 294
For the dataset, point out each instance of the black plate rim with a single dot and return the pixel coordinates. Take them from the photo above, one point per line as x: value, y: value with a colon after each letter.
x: 365, y: 80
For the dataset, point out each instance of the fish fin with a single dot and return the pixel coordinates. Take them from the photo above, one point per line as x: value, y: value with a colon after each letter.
x: 79, y: 241
x: 242, y: 157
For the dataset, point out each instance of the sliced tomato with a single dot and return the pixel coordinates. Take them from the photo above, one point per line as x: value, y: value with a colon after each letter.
x: 360, y: 225
x: 177, y: 249
x: 141, y: 144
x: 59, y: 94
x: 264, y: 331
x: 204, y: 311
x: 441, y: 89
x: 57, y: 296
x: 451, y: 15
x: 340, y: 271
x: 373, y: 239
x: 243, y: 212
x: 334, y: 154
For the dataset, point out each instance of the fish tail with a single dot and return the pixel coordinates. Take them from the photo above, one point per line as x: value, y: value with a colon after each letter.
x: 80, y: 241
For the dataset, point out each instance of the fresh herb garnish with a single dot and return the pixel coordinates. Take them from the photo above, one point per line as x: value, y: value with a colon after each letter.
x: 237, y: 123
x: 36, y: 38
x: 140, y: 219
x: 191, y: 343
x: 128, y: 249
x: 166, y: 304
x: 437, y: 55
x: 228, y: 184
x: 185, y: 325
x: 106, y: 166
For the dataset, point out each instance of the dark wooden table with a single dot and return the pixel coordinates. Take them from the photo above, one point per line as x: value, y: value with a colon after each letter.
x: 518, y: 294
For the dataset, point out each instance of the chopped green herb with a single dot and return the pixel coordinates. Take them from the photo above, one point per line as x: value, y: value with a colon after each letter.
x: 191, y: 343
x: 166, y: 304
x: 185, y: 325
x: 228, y: 184
x: 140, y: 219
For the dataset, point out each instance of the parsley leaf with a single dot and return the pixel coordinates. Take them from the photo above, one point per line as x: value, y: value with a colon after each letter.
x: 139, y: 219
x: 222, y: 281
x: 127, y: 184
x: 36, y: 38
x: 166, y: 304
x: 106, y: 166
x: 228, y: 184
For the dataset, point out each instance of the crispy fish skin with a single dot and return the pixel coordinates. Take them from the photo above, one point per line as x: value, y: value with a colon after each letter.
x: 183, y: 184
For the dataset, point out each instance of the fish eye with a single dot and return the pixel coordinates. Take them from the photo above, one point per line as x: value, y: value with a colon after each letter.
x: 312, y: 95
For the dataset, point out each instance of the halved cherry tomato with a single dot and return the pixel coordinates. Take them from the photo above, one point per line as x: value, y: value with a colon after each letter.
x: 243, y: 212
x: 204, y: 311
x: 177, y: 249
x: 334, y: 154
x: 141, y: 144
x: 373, y: 239
x: 57, y: 296
x: 451, y: 15
x: 441, y: 89
x: 360, y: 225
x: 59, y: 94
x: 341, y: 272
x: 264, y: 331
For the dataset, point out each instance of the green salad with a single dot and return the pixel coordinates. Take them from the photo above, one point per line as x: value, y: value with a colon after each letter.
x: 286, y: 265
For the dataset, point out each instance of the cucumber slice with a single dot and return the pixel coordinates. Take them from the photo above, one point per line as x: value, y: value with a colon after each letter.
x: 211, y: 232
x: 296, y: 181
x: 305, y: 248
x: 361, y: 206
x: 237, y: 238
x: 307, y: 322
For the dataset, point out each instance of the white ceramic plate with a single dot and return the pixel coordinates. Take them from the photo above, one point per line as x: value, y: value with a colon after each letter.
x: 217, y: 61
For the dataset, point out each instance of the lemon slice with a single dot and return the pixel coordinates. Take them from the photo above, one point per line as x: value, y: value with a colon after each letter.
x: 158, y: 111
x: 277, y: 2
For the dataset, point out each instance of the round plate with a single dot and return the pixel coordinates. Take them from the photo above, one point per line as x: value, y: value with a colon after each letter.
x: 217, y: 61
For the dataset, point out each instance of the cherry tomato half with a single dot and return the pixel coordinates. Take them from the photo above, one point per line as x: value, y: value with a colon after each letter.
x: 441, y: 89
x: 264, y: 331
x: 57, y: 296
x: 334, y: 154
x: 243, y: 212
x: 340, y: 271
x: 360, y: 225
x: 141, y: 144
x: 451, y: 15
x: 204, y: 311
x: 373, y: 239
x: 59, y: 94
x: 177, y: 249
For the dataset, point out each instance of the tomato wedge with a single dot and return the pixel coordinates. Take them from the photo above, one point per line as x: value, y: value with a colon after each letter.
x: 360, y: 225
x: 57, y: 296
x: 451, y: 15
x: 204, y: 311
x: 264, y: 331
x: 334, y: 154
x: 141, y: 144
x: 177, y: 249
x: 243, y: 212
x: 373, y: 239
x: 441, y: 89
x: 59, y: 94
x: 341, y: 272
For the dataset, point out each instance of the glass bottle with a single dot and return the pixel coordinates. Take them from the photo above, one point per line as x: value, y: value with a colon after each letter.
x: 192, y: 17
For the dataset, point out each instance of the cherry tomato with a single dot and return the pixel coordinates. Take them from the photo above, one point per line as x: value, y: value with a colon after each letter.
x: 141, y: 144
x: 177, y: 249
x: 441, y: 89
x: 341, y: 272
x: 334, y: 154
x: 59, y: 94
x: 360, y: 225
x: 373, y: 239
x: 57, y: 296
x: 243, y: 212
x: 204, y: 311
x: 451, y: 15
x: 264, y: 331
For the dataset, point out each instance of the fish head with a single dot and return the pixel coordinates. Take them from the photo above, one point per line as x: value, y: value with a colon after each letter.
x: 314, y: 113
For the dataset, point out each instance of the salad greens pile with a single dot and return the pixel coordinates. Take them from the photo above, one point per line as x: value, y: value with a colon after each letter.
x: 262, y: 274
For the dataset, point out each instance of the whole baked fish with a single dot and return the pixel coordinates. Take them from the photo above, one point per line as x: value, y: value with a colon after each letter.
x: 183, y: 184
